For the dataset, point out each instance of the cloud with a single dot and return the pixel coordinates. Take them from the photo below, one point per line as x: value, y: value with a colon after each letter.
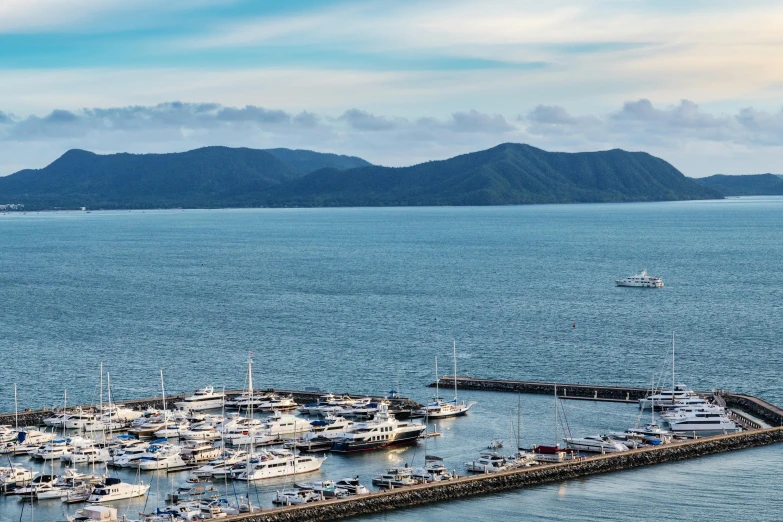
x: 362, y: 120
x: 698, y: 140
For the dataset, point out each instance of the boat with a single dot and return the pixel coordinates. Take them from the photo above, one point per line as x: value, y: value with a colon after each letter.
x: 295, y: 496
x: 174, y: 427
x: 664, y: 398
x: 220, y: 465
x: 394, y: 478
x: 192, y: 492
x: 77, y: 494
x: 128, y: 457
x: 642, y: 280
x: 42, y: 482
x: 433, y: 471
x: 86, y: 454
x: 161, y: 456
x: 487, y: 462
x: 8, y: 433
x: 687, y: 411
x: 382, y: 431
x: 554, y: 453
x: 115, y: 489
x: 206, y: 399
x: 194, y: 451
x: 279, y: 463
x: 204, y: 431
x: 15, y: 475
x: 277, y: 403
x: 352, y: 486
x: 702, y: 423
x: 57, y: 448
x: 440, y: 409
x: 57, y: 420
x: 78, y: 421
x: 315, y: 444
x: 322, y: 400
x: 595, y: 444
x: 270, y: 430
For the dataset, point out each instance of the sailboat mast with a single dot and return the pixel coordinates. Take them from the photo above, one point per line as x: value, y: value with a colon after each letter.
x: 100, y: 403
x: 108, y: 389
x: 555, y: 414
x: 437, y: 381
x: 163, y: 393
x: 519, y: 420
x: 673, y: 382
x: 455, y: 372
x: 16, y: 410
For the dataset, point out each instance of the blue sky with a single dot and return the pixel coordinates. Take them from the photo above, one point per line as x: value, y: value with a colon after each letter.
x: 697, y: 83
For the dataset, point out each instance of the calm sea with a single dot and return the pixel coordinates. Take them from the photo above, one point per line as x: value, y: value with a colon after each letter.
x: 363, y: 300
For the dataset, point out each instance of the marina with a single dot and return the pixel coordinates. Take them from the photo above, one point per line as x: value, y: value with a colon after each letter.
x: 406, y: 485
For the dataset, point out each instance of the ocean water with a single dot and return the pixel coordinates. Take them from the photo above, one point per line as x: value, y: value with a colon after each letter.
x: 363, y: 300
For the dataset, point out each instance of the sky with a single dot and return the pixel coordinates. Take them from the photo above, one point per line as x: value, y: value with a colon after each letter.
x: 698, y: 83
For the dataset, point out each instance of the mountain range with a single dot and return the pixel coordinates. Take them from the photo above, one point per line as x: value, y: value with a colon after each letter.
x: 745, y: 184
x: 240, y: 177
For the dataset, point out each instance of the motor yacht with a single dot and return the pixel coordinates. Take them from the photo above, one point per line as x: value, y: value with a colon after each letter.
x: 595, y: 444
x: 270, y: 430
x: 221, y: 465
x: 114, y: 489
x: 642, y: 280
x: 15, y: 475
x: 667, y: 397
x: 203, y: 431
x: 488, y: 462
x: 86, y: 454
x: 279, y: 463
x: 687, y: 411
x: 194, y: 451
x: 382, y: 431
x: 41, y: 482
x: 8, y: 433
x: 173, y: 429
x: 161, y: 456
x: 352, y: 486
x: 277, y: 403
x: 323, y: 400
x: 245, y: 401
x: 129, y: 456
x: 57, y: 420
x: 433, y: 471
x: 206, y: 399
x: 191, y: 492
x: 77, y: 421
x: 394, y: 478
x: 652, y: 434
x: 296, y: 496
x: 703, y: 423
x: 57, y: 448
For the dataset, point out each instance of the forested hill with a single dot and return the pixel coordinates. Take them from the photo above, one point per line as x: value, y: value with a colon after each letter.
x: 226, y: 177
x: 745, y: 184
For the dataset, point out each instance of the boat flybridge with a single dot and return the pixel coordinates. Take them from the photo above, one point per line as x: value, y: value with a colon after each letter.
x: 206, y: 399
x: 642, y: 280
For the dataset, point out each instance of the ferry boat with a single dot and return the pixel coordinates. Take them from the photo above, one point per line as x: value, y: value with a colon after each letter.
x: 383, y: 431
x: 206, y: 399
x: 642, y: 280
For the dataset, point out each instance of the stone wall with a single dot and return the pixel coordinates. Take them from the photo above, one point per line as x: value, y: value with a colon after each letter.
x: 483, y: 484
x: 546, y: 388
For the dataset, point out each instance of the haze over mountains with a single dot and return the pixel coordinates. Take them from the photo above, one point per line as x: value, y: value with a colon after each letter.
x: 226, y: 177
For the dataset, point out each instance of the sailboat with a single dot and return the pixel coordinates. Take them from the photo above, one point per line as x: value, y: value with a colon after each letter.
x: 667, y: 397
x: 440, y: 409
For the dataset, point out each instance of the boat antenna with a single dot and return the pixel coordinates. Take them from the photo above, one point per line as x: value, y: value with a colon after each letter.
x: 455, y: 372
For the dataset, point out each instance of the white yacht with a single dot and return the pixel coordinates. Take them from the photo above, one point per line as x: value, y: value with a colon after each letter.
x: 201, y: 431
x: 279, y: 463
x: 219, y: 466
x: 174, y: 428
x: 273, y: 428
x: 199, y: 451
x: 296, y: 496
x: 121, y: 413
x: 394, y: 478
x: 595, y: 444
x: 382, y: 431
x: 687, y: 411
x: 161, y: 456
x: 86, y: 454
x: 114, y: 489
x: 79, y: 420
x: 642, y: 280
x: 433, y: 471
x: 206, y: 399
x: 440, y: 409
x: 352, y: 486
x: 323, y: 400
x: 278, y: 404
x: 39, y: 483
x: 8, y: 433
x: 129, y: 456
x: 667, y: 397
x: 703, y: 423
x: 15, y: 475
x: 488, y: 462
x: 57, y: 448
x: 57, y: 420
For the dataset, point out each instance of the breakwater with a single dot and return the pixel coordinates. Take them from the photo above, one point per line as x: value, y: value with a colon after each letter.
x: 585, y: 391
x: 526, y: 477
